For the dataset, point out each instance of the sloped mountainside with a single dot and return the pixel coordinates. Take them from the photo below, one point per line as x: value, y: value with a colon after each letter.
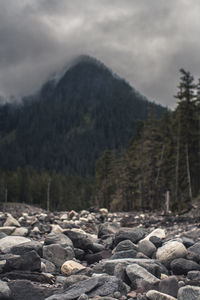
x: 72, y: 119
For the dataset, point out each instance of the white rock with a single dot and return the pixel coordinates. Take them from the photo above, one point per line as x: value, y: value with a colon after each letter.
x: 10, y: 241
x: 71, y: 265
x: 64, y: 217
x: 170, y: 251
x: 155, y: 295
x: 56, y: 228
x: 21, y: 231
x: 10, y: 221
x: 160, y: 233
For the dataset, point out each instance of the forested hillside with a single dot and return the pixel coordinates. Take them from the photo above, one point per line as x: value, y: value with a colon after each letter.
x: 49, y: 144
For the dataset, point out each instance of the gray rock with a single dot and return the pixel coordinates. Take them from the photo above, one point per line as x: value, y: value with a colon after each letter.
x: 151, y: 265
x: 141, y: 278
x: 57, y: 254
x: 97, y: 286
x: 187, y: 242
x: 24, y: 289
x: 146, y: 247
x: 69, y: 281
x: 10, y: 221
x: 189, y: 292
x: 155, y: 295
x: 29, y: 261
x: 156, y: 241
x: 169, y: 286
x: 125, y: 246
x: 5, y: 291
x: 195, y: 248
x: 132, y: 234
x: 108, y: 228
x: 47, y: 266
x: 25, y: 247
x: 181, y: 266
x: 2, y: 235
x: 79, y: 240
x: 58, y: 238
x: 124, y: 254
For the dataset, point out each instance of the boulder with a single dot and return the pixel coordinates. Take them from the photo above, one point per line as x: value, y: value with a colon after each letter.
x: 170, y: 251
x: 132, y: 234
x: 160, y: 233
x: 69, y: 266
x: 10, y: 241
x: 125, y: 246
x: 151, y: 265
x: 155, y: 295
x: 69, y: 281
x: 57, y: 254
x: 195, y: 248
x: 146, y: 247
x: 21, y: 231
x: 108, y: 228
x: 79, y: 240
x: 189, y: 292
x: 124, y: 254
x: 141, y: 278
x: 22, y: 248
x: 24, y: 289
x: 28, y: 261
x: 156, y: 241
x: 169, y: 286
x: 181, y: 266
x: 10, y: 221
x: 58, y: 238
x: 97, y: 286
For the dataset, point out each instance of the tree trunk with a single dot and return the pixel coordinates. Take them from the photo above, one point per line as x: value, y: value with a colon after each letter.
x: 188, y: 172
x: 48, y: 194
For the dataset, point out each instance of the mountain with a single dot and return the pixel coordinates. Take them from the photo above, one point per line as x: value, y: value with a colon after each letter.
x: 72, y: 119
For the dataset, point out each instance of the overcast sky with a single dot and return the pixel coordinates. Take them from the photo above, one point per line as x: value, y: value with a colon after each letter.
x: 144, y: 41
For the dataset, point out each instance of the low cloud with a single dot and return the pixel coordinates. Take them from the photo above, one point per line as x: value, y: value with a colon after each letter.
x: 145, y: 42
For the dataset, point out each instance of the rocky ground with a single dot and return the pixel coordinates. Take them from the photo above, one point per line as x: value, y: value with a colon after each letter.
x: 90, y: 255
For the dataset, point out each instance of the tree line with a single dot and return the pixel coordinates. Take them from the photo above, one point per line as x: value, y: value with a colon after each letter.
x: 162, y: 159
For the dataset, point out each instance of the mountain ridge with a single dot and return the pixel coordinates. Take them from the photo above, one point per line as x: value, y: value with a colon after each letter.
x: 72, y: 122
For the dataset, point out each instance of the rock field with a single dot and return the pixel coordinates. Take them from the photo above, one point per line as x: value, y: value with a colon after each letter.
x: 98, y: 255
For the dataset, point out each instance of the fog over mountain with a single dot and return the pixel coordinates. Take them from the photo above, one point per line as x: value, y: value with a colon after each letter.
x: 145, y: 42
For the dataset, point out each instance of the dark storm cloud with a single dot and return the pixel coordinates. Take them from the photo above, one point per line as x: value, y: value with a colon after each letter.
x: 144, y: 41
